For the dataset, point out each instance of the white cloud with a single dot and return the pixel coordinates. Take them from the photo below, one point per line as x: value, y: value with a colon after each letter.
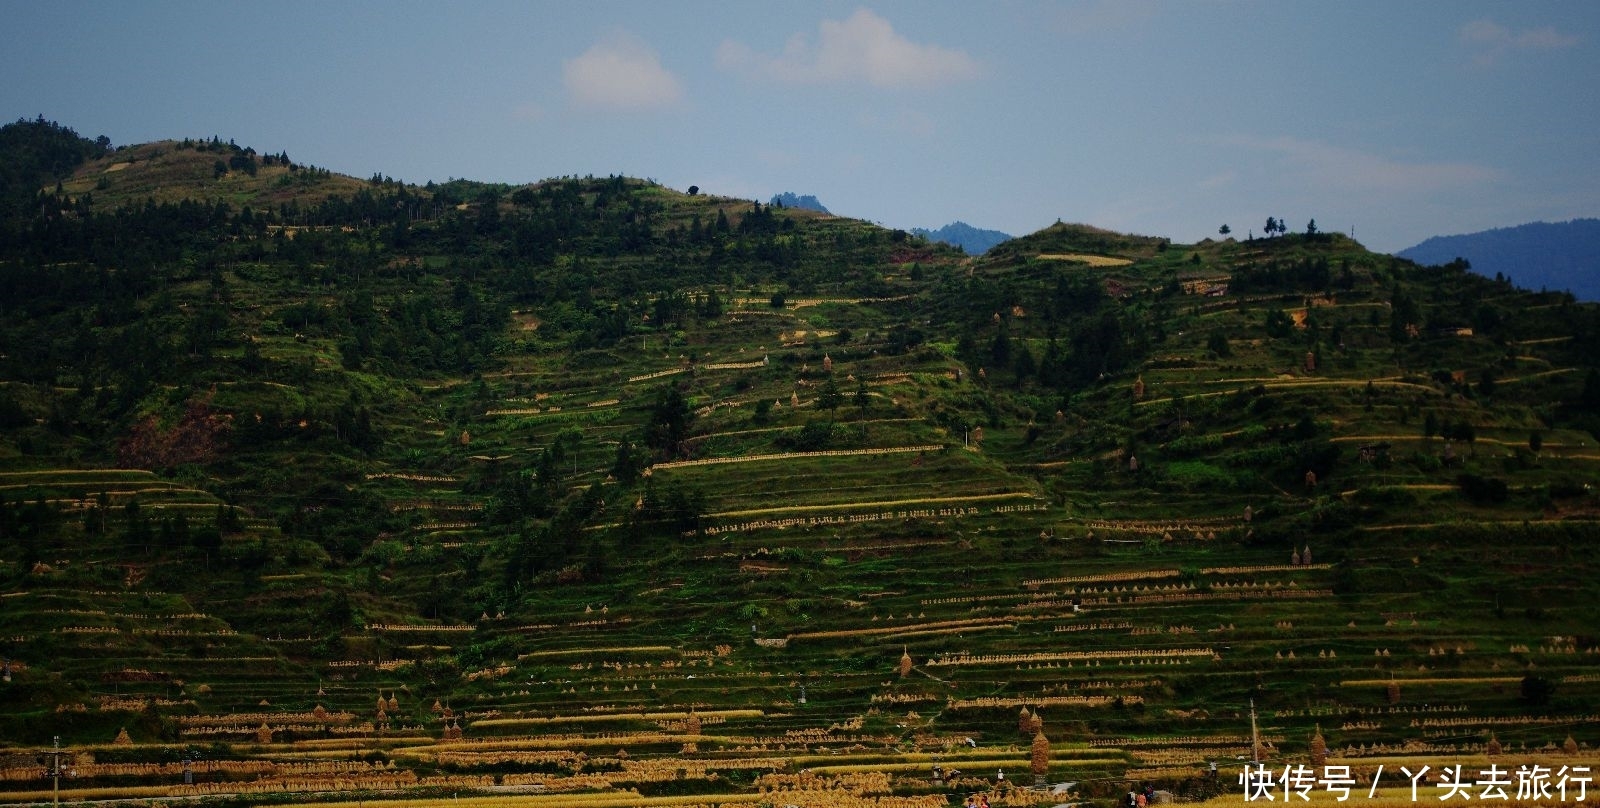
x: 861, y: 48
x: 620, y: 72
x: 1490, y: 41
x: 1327, y: 166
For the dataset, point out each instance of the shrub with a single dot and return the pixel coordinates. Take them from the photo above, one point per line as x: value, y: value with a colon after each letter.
x: 1537, y: 690
x: 1195, y: 475
x: 1483, y: 490
x: 1386, y: 496
x: 813, y: 437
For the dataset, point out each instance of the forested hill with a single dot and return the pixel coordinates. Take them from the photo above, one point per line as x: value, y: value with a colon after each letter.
x: 453, y: 436
x: 202, y: 309
x: 1541, y: 255
x: 37, y: 152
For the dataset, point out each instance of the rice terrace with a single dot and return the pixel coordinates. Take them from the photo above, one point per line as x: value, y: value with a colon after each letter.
x: 321, y: 491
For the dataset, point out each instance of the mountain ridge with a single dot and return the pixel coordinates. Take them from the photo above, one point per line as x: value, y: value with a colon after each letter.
x: 1553, y: 255
x: 789, y: 199
x: 972, y: 240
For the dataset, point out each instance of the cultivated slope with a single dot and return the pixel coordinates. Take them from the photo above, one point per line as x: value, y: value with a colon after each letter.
x: 685, y: 495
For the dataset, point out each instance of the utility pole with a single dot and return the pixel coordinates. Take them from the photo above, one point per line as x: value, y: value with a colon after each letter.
x: 1255, y: 737
x: 55, y: 772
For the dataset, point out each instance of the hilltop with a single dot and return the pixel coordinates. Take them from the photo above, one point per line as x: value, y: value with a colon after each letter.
x: 589, y: 485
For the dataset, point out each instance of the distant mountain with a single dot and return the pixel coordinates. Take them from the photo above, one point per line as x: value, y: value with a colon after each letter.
x: 1541, y: 255
x: 970, y: 239
x: 808, y: 202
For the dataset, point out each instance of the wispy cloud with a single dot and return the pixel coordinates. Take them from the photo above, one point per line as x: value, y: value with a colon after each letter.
x: 1335, y: 167
x: 1489, y: 41
x: 861, y: 48
x: 620, y: 72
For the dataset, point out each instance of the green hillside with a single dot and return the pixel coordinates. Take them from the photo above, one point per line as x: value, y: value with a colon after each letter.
x: 593, y: 490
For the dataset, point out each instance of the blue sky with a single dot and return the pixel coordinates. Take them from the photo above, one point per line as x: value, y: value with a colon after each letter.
x: 1401, y: 120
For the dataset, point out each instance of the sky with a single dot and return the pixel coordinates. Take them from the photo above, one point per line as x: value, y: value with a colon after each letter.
x: 1396, y: 121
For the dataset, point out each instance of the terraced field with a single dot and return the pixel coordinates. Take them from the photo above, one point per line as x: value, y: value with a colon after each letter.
x: 800, y: 512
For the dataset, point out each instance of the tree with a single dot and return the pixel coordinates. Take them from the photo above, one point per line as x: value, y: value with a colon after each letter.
x: 1024, y: 366
x: 862, y: 399
x: 1537, y: 690
x: 829, y: 397
x: 136, y: 529
x: 1589, y: 399
x: 628, y: 464
x: 1311, y: 229
x: 1272, y: 226
x: 252, y: 362
x: 711, y: 306
x: 669, y: 422
x: 12, y: 415
x: 1224, y: 230
x: 1000, y: 348
x: 1279, y: 324
x: 967, y: 349
x: 694, y: 190
x: 1217, y: 343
